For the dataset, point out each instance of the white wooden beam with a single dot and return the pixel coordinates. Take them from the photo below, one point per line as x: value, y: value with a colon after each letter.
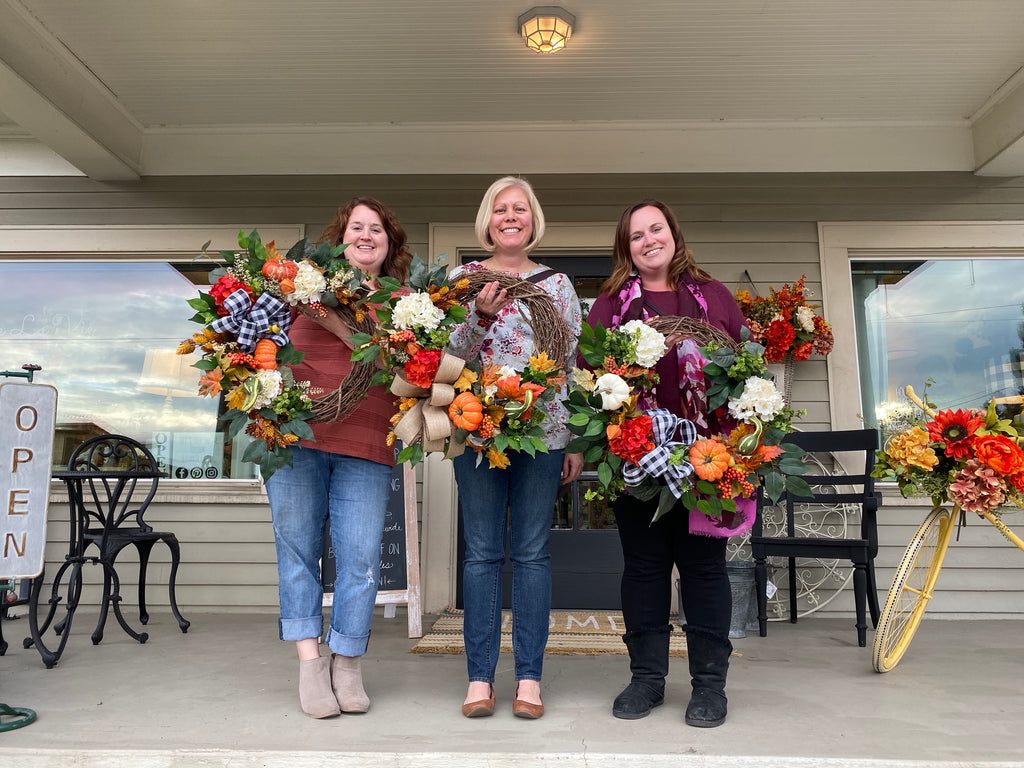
x: 50, y: 94
x: 997, y: 131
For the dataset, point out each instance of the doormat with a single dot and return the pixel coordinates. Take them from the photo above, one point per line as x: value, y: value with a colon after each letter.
x: 584, y: 633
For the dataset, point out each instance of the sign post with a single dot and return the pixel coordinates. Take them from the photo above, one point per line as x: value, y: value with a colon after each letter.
x: 27, y: 416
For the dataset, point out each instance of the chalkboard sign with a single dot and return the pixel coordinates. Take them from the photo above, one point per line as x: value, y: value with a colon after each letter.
x: 399, y: 581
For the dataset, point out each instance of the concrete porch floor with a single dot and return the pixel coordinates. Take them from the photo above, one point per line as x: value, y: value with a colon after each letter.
x: 225, y: 695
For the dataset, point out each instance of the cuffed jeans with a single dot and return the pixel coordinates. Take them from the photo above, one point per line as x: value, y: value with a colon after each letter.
x: 524, y: 494
x: 354, y: 493
x: 648, y: 553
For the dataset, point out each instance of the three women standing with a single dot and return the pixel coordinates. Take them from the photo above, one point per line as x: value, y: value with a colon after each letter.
x: 519, y: 498
x: 655, y: 274
x: 344, y: 476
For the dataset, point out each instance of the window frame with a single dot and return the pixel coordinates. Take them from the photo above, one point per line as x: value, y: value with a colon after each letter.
x: 840, y: 242
x: 146, y: 243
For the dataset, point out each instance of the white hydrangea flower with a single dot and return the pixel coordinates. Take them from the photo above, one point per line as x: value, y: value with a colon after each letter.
x: 309, y: 284
x: 416, y: 310
x: 760, y: 398
x: 650, y: 345
x: 613, y: 389
x: 270, y: 387
x: 805, y: 318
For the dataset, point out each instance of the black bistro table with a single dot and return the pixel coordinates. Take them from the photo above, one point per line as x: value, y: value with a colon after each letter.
x: 89, y: 514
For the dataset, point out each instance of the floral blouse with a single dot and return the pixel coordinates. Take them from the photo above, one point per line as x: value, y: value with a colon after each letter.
x: 508, y: 340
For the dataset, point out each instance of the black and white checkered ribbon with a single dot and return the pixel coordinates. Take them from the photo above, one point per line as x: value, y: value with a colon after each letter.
x: 664, y: 426
x: 251, y: 321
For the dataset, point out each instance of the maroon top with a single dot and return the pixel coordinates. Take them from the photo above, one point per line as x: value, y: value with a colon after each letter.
x: 326, y: 363
x: 723, y: 313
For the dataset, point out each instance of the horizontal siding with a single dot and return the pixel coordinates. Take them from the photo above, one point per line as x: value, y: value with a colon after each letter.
x: 761, y: 225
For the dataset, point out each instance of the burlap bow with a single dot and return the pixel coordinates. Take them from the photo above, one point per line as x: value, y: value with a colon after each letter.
x: 664, y: 425
x: 251, y: 321
x: 427, y: 421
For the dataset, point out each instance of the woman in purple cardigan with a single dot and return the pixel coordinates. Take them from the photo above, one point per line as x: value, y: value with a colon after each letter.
x: 655, y: 274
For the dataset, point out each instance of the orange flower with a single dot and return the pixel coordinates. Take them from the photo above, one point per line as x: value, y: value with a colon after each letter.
x: 710, y: 459
x: 510, y: 388
x: 1000, y: 453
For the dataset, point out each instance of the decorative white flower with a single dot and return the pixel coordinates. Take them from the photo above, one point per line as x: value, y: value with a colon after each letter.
x: 648, y: 343
x: 805, y: 317
x: 309, y: 284
x: 416, y: 311
x: 269, y: 387
x: 613, y: 389
x: 760, y: 398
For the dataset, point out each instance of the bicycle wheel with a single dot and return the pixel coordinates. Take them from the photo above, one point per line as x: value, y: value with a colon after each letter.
x: 911, y: 589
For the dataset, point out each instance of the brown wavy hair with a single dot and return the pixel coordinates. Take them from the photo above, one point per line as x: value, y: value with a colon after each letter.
x: 622, y: 263
x: 396, y: 263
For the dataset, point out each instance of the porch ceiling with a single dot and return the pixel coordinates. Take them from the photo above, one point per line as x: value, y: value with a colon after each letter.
x: 120, y: 88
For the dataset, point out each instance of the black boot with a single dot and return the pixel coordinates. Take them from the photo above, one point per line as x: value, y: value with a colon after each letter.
x: 648, y: 661
x: 709, y: 664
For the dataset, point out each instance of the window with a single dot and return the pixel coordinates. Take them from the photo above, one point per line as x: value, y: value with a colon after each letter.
x: 959, y: 322
x: 105, y: 334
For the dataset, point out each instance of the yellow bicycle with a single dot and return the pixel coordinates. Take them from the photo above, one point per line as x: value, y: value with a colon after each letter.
x: 918, y: 571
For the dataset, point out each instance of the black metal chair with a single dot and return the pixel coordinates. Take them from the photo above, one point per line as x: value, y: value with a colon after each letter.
x: 830, y: 488
x: 110, y: 512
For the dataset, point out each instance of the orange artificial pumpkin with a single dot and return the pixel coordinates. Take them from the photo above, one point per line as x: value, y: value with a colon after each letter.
x: 466, y: 412
x: 280, y: 269
x: 265, y: 354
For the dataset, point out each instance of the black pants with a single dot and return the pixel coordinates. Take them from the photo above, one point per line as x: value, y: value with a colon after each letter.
x: 649, y: 552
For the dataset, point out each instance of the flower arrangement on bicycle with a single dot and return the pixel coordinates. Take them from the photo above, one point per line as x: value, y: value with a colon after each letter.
x: 246, y: 353
x: 786, y: 322
x: 971, y: 458
x: 652, y: 452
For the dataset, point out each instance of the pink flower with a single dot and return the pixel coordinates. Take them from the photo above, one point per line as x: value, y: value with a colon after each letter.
x: 977, y: 487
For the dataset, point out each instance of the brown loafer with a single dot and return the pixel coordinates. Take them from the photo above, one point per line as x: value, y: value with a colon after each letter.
x: 480, y: 708
x: 526, y: 709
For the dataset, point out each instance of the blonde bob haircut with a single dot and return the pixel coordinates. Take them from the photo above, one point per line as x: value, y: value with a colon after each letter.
x: 483, y: 216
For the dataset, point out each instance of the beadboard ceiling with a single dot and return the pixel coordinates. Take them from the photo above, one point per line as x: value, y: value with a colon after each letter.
x: 122, y: 88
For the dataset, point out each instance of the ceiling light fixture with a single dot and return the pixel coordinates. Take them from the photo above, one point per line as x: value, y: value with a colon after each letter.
x: 546, y: 28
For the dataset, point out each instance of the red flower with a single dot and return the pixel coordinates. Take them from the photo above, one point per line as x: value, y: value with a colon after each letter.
x: 778, y: 338
x: 422, y: 368
x: 223, y: 288
x: 802, y: 351
x: 1000, y: 453
x: 1017, y: 481
x: 954, y: 429
x: 634, y: 440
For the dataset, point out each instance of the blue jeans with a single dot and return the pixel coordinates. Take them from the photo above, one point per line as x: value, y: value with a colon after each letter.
x: 524, y: 494
x: 354, y: 494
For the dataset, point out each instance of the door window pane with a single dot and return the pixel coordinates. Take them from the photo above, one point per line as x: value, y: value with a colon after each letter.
x: 105, y: 334
x: 959, y: 322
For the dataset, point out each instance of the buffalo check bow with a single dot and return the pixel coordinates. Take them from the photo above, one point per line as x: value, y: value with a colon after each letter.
x: 251, y: 321
x: 655, y: 463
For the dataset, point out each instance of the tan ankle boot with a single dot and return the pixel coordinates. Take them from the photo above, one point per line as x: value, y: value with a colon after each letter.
x: 315, y: 695
x: 347, y: 681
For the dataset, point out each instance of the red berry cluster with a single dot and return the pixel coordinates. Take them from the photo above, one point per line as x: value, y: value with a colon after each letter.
x: 734, y: 475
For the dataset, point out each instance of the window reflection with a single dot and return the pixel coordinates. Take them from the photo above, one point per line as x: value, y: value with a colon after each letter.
x: 959, y: 322
x: 105, y: 334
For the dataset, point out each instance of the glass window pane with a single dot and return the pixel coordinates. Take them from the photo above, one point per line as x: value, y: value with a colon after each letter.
x: 956, y: 321
x: 104, y: 334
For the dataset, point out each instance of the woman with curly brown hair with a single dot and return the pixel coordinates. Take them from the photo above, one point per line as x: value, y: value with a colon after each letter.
x: 343, y: 476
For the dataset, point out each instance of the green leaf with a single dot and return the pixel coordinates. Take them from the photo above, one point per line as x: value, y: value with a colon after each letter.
x: 797, y: 486
x: 604, y: 474
x: 289, y: 355
x: 205, y: 364
x: 254, y: 451
x: 706, y: 488
x: 539, y: 444
x: 237, y: 422
x: 299, y: 428
x: 774, y: 485
x: 411, y: 453
x: 500, y: 442
x: 593, y: 453
x: 594, y: 428
x: 579, y: 419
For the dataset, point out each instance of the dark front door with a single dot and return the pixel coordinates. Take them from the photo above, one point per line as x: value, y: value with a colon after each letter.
x: 586, y: 560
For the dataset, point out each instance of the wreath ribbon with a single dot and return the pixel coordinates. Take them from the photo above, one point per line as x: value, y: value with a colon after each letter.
x: 655, y: 463
x: 251, y: 321
x: 427, y: 421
